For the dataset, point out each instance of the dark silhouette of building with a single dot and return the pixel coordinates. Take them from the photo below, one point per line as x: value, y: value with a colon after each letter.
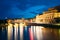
x: 58, y: 8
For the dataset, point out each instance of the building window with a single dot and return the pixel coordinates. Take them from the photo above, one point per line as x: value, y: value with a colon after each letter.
x: 41, y: 20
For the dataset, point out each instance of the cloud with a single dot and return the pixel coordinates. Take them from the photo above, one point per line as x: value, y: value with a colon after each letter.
x: 33, y: 11
x: 25, y: 8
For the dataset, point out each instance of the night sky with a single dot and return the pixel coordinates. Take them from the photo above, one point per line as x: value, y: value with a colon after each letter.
x: 25, y: 8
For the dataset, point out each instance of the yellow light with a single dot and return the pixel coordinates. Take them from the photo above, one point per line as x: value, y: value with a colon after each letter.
x: 21, y: 30
x: 39, y: 34
x: 16, y: 25
x: 10, y: 31
x: 16, y: 30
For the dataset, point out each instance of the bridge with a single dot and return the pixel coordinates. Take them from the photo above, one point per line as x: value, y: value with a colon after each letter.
x: 36, y: 24
x: 44, y: 25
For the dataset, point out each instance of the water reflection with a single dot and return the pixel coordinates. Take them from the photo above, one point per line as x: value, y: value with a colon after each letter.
x: 39, y: 34
x: 16, y: 31
x: 59, y: 33
x: 19, y: 32
x: 10, y: 31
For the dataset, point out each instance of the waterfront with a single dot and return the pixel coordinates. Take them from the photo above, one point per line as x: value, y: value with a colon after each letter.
x: 29, y: 33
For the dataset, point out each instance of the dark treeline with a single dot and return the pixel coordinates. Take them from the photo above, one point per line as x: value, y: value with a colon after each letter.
x: 3, y: 21
x: 57, y: 20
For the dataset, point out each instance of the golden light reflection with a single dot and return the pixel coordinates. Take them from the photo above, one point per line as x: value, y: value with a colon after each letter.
x: 10, y: 31
x: 16, y: 31
x: 59, y: 32
x: 34, y: 28
x: 39, y: 34
x: 21, y: 25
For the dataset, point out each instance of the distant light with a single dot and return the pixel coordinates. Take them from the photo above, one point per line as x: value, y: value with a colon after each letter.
x: 5, y: 17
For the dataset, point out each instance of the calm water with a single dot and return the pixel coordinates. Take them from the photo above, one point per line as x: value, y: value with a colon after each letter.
x: 29, y: 33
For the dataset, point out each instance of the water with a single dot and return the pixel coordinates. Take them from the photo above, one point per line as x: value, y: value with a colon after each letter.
x: 29, y: 33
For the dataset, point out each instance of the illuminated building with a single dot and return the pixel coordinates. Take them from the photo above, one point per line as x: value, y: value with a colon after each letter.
x: 48, y: 16
x: 44, y: 18
x: 56, y: 15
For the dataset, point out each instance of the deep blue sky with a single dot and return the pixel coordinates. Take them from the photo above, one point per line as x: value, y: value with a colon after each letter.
x: 24, y: 8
